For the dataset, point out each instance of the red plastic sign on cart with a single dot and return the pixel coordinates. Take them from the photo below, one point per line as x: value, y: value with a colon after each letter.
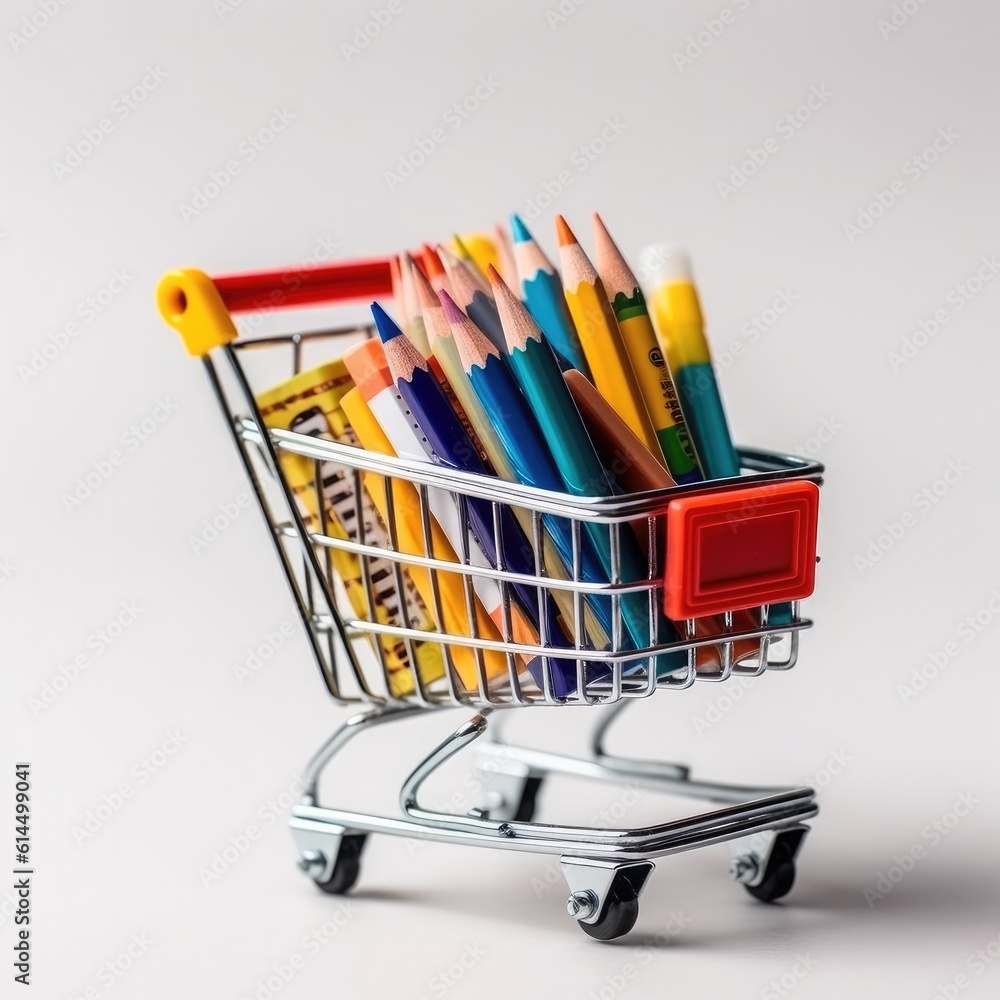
x: 740, y: 549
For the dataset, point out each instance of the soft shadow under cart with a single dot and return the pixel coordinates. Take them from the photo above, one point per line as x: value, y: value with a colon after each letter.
x: 728, y: 559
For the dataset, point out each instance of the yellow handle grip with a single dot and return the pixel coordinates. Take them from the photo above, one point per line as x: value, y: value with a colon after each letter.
x: 189, y: 302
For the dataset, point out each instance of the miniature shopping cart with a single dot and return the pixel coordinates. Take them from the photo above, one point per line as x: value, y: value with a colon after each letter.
x: 726, y: 565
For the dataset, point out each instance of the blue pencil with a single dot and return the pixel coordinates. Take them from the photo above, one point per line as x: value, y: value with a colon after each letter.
x: 449, y: 444
x: 542, y: 291
x: 521, y: 437
x: 537, y: 372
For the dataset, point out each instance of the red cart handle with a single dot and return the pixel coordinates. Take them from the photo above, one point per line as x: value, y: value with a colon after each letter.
x: 200, y: 308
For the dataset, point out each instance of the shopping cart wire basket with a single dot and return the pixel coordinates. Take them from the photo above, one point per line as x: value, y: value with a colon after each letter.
x: 726, y: 564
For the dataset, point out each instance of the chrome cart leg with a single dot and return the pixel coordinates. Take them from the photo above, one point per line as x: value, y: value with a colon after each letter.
x: 331, y: 854
x: 677, y: 772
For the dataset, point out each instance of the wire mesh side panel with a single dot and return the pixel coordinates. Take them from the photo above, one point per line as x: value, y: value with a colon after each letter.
x: 417, y: 586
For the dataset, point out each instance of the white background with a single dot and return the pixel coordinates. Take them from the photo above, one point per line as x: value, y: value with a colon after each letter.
x: 820, y: 380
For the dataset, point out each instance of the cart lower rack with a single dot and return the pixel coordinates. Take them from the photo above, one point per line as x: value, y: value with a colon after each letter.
x: 393, y: 614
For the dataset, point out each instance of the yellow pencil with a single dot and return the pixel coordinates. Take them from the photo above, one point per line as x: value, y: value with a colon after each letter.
x: 409, y: 527
x: 601, y: 340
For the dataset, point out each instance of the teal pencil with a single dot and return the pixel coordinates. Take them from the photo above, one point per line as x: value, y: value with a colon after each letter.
x: 525, y: 448
x: 542, y: 291
x: 539, y: 376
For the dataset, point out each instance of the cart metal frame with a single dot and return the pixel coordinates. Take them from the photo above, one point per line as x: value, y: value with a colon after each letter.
x: 605, y: 869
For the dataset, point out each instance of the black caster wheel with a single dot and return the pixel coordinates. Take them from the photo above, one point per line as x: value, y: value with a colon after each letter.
x: 528, y: 803
x: 620, y: 910
x: 347, y: 867
x: 779, y: 877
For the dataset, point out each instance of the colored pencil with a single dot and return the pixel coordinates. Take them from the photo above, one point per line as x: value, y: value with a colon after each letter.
x: 433, y: 268
x: 620, y: 451
x: 602, y: 342
x: 451, y: 594
x: 505, y: 255
x: 477, y: 248
x: 446, y: 353
x: 522, y: 439
x: 677, y: 311
x: 446, y: 441
x: 651, y: 370
x: 637, y: 472
x: 539, y: 376
x: 473, y: 297
x: 533, y: 465
x: 413, y: 320
x: 542, y: 291
x: 445, y: 379
x: 473, y: 249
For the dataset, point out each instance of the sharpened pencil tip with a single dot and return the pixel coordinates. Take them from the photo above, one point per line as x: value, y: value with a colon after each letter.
x: 521, y: 232
x: 433, y: 267
x: 451, y: 311
x: 385, y: 324
x: 564, y: 233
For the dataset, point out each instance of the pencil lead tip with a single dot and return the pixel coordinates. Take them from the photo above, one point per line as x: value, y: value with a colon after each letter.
x: 452, y: 313
x: 432, y: 262
x: 521, y: 232
x: 385, y: 324
x: 564, y: 233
